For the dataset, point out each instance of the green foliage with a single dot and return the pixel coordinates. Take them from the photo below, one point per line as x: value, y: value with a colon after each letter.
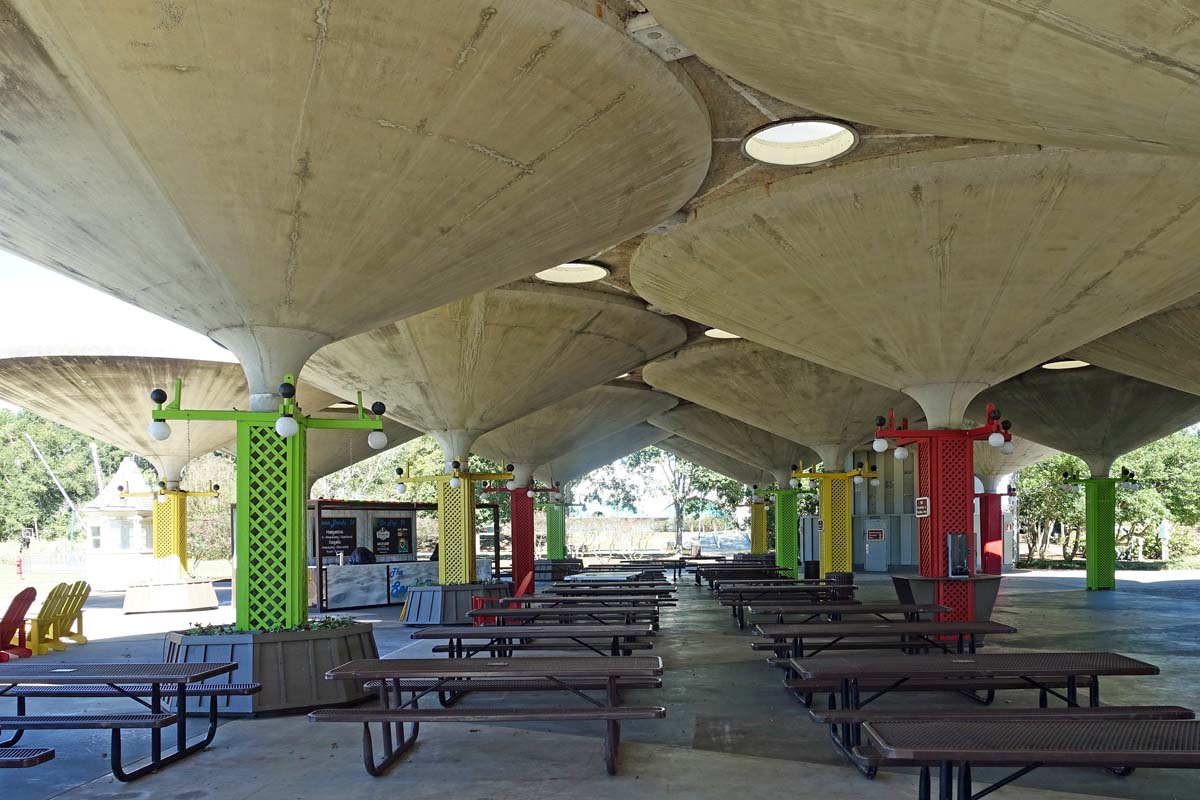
x: 29, y: 498
x: 209, y: 534
x: 1168, y: 478
x: 693, y: 489
x: 319, y: 624
x: 375, y: 478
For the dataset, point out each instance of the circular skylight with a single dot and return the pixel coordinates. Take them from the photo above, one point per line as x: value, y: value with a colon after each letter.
x: 717, y: 333
x: 800, y: 142
x: 1065, y: 363
x: 574, y: 272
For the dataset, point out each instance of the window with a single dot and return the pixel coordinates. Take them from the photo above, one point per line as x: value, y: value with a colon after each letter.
x: 149, y: 538
x: 126, y: 529
x: 95, y: 531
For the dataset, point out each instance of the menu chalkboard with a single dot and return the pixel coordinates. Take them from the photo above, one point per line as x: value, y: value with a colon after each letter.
x: 392, y: 535
x: 338, y: 535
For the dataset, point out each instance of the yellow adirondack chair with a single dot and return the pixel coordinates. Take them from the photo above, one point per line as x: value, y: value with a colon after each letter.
x: 70, y: 618
x: 42, y: 638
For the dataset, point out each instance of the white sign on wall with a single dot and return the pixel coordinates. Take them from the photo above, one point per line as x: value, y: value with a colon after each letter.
x: 922, y: 507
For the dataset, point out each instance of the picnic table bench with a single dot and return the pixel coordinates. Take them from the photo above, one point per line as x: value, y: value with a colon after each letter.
x: 875, y: 635
x: 602, y: 615
x: 728, y: 570
x: 19, y: 757
x: 884, y: 674
x: 602, y: 599
x: 810, y: 612
x: 142, y: 683
x: 503, y: 640
x: 1120, y: 745
x: 617, y: 589
x: 543, y: 674
x: 738, y: 598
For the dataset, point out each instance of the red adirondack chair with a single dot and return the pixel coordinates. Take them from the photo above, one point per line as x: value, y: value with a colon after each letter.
x: 12, y: 627
x: 478, y: 601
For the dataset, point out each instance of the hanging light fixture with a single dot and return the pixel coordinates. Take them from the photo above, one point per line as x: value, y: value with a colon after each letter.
x: 401, y: 488
x: 900, y: 453
x: 879, y: 445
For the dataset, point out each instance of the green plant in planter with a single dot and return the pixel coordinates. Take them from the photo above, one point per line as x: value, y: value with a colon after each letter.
x: 319, y: 624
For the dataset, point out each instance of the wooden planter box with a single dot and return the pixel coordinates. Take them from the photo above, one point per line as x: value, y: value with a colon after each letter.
x: 447, y: 605
x: 291, y: 666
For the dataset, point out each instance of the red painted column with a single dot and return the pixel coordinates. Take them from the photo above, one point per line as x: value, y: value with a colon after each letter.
x: 991, y: 532
x: 945, y: 474
x: 521, y: 508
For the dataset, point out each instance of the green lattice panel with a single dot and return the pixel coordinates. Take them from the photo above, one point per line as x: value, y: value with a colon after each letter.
x: 787, y: 532
x: 1100, y: 496
x: 268, y: 519
x: 556, y: 531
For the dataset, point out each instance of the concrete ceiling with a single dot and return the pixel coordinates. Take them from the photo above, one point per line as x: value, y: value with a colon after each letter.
x: 282, y: 176
x: 578, y: 463
x: 732, y: 437
x: 716, y: 461
x: 1073, y: 72
x: 829, y: 411
x: 108, y: 397
x: 469, y: 367
x: 1161, y: 348
x: 1091, y: 412
x: 937, y: 273
x: 993, y: 466
x: 538, y: 438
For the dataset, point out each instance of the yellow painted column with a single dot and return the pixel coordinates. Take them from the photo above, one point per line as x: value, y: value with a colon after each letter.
x: 456, y: 532
x: 170, y: 526
x: 837, y: 524
x: 758, y: 528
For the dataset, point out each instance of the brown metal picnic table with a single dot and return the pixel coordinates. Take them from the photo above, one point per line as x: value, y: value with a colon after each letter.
x: 608, y: 598
x: 821, y: 611
x: 1032, y: 744
x: 894, y: 671
x: 501, y: 638
x: 550, y: 674
x: 918, y: 634
x: 120, y: 677
x: 738, y: 597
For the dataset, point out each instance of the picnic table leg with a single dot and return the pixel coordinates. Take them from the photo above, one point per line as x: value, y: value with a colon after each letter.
x: 923, y: 784
x: 741, y: 610
x: 156, y: 733
x: 612, y: 733
x: 16, y: 737
x: 964, y: 781
x: 1072, y: 691
x: 1094, y: 691
x: 946, y: 780
x: 181, y: 722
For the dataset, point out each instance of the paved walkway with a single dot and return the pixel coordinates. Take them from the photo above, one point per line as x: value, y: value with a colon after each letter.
x: 730, y: 728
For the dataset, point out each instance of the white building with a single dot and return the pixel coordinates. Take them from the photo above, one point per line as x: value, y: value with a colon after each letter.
x: 120, y: 531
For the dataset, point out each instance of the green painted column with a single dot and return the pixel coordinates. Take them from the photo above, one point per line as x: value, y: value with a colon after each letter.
x: 1100, y: 503
x: 556, y: 531
x: 787, y: 536
x: 271, y: 574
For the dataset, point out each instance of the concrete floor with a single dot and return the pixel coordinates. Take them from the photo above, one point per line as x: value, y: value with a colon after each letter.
x: 730, y: 728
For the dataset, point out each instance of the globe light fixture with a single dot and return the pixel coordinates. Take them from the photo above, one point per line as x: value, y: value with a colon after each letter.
x: 874, y: 481
x: 794, y: 482
x: 455, y: 482
x: 159, y: 430
x: 286, y: 426
x: 901, y: 453
x: 377, y: 440
x: 401, y: 488
x: 529, y: 493
x: 858, y: 480
x: 879, y: 445
x: 1008, y: 448
x: 995, y: 439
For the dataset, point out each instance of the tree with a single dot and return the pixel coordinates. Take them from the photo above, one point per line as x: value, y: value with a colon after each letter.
x: 1044, y: 505
x: 29, y: 498
x: 691, y: 488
